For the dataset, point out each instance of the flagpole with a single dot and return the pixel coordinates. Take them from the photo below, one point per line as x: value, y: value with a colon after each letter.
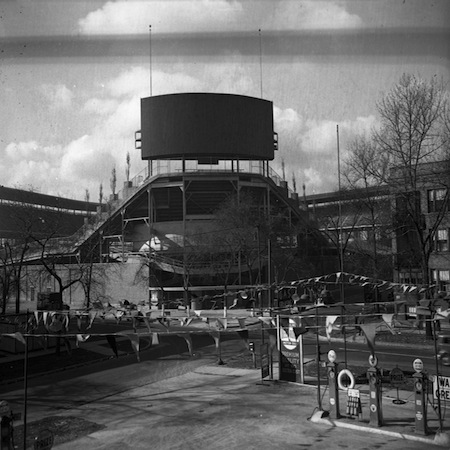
x: 260, y: 63
x: 341, y: 252
x: 150, y: 50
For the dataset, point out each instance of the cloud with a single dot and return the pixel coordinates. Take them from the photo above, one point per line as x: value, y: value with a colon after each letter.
x: 29, y: 164
x: 315, y: 14
x: 59, y: 96
x: 308, y: 147
x: 111, y: 118
x: 100, y: 106
x: 132, y: 17
x: 86, y: 159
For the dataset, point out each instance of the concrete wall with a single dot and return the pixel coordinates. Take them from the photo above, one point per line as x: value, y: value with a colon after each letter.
x: 114, y: 282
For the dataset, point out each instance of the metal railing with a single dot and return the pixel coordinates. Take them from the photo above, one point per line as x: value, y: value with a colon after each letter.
x: 166, y: 167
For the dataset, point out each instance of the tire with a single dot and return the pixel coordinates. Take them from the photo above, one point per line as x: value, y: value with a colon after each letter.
x: 342, y: 374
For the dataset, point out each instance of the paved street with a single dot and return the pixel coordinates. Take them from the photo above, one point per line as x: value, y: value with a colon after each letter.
x: 173, y: 400
x: 191, y: 403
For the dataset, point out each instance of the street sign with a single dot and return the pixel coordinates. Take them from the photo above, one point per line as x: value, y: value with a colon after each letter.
x: 397, y: 377
x: 290, y: 363
x: 418, y: 365
x: 44, y: 440
x: 442, y: 389
x: 353, y: 393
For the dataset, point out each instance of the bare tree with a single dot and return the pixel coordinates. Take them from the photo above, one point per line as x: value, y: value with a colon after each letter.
x: 413, y: 118
x: 409, y: 153
x: 371, y: 198
x: 128, y: 167
x: 100, y: 194
x: 113, y: 182
x: 412, y: 139
x: 6, y: 274
x: 86, y: 198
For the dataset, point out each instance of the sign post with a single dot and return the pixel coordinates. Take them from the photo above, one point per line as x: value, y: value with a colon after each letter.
x: 291, y: 363
x: 44, y: 440
x: 354, y: 403
x: 397, y: 378
x: 264, y: 353
x: 441, y: 388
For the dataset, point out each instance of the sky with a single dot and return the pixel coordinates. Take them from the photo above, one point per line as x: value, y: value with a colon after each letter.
x: 72, y: 73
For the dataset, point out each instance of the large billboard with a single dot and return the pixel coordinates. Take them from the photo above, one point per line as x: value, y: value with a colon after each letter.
x: 199, y: 125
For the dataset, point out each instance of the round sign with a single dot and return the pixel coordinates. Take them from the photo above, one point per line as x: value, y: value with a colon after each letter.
x: 373, y: 407
x: 44, y: 440
x: 332, y: 356
x: 397, y: 377
x: 287, y: 336
x: 373, y: 361
x: 418, y: 365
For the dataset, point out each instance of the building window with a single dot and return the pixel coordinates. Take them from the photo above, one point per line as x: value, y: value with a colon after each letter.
x: 436, y: 199
x: 442, y: 279
x: 441, y: 240
x: 410, y: 277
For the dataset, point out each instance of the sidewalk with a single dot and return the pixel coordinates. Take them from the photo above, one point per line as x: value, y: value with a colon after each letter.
x: 220, y: 407
x: 398, y: 416
x: 216, y: 407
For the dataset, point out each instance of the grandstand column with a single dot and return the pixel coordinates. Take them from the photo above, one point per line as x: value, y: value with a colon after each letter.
x: 149, y: 203
x: 185, y: 279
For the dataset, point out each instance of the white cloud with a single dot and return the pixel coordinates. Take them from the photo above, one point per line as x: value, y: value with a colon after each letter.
x: 309, y: 147
x: 100, y: 106
x: 134, y: 81
x: 59, y: 96
x: 111, y: 120
x: 134, y: 17
x: 27, y: 151
x: 87, y: 161
x: 29, y: 164
x: 130, y: 17
x: 319, y: 15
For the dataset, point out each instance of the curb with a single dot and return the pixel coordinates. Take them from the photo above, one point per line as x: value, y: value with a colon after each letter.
x: 440, y: 439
